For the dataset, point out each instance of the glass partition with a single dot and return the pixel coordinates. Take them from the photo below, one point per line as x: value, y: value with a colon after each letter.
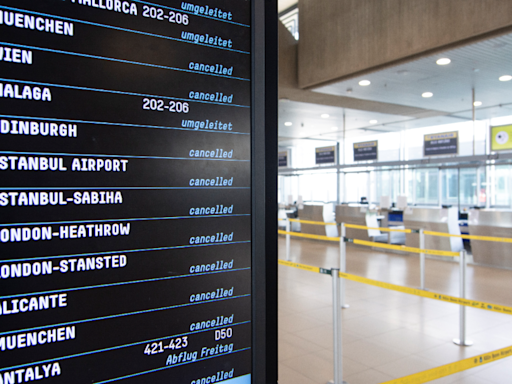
x: 426, y: 191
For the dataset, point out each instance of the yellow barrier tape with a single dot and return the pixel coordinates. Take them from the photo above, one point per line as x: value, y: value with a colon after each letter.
x: 304, y: 267
x: 429, y: 295
x: 355, y: 226
x: 450, y: 369
x: 308, y: 236
x: 411, y: 291
x: 405, y: 249
x: 470, y: 237
x: 311, y: 222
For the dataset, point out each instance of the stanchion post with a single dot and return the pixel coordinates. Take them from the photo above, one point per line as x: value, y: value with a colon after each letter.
x: 422, y: 258
x: 288, y: 251
x: 462, y: 281
x: 343, y: 263
x: 336, y: 323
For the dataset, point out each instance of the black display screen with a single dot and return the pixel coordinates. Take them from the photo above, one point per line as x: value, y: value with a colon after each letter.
x: 282, y: 159
x: 441, y: 144
x: 125, y: 192
x: 325, y: 155
x: 366, y: 151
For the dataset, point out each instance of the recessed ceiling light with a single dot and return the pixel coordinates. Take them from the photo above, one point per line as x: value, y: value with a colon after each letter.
x: 505, y: 78
x: 477, y: 103
x: 334, y: 128
x: 373, y: 121
x: 364, y: 83
x: 324, y: 115
x: 443, y: 61
x: 427, y: 94
x: 288, y: 123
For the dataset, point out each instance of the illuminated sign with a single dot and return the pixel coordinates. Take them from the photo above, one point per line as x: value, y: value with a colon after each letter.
x: 325, y: 155
x: 441, y: 144
x: 501, y: 138
x: 366, y: 151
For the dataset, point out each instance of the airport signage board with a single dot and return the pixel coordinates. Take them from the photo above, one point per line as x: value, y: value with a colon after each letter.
x: 325, y: 155
x: 127, y: 173
x: 368, y: 150
x: 501, y: 138
x: 446, y: 143
x: 282, y: 159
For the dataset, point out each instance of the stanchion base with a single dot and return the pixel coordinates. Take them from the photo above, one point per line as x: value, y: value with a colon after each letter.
x: 345, y: 306
x: 332, y: 382
x: 466, y: 343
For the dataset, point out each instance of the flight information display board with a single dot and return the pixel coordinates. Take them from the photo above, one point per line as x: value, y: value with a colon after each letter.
x: 125, y: 191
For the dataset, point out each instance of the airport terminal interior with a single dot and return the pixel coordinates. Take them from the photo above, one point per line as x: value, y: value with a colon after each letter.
x: 395, y: 134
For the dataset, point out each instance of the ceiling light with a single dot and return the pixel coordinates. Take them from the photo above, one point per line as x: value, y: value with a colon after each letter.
x: 443, y: 61
x: 373, y: 121
x: 505, y: 78
x: 288, y: 123
x: 324, y: 115
x: 477, y: 103
x: 334, y: 128
x: 427, y: 94
x: 364, y: 83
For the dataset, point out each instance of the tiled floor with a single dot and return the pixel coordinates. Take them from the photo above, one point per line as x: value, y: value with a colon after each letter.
x: 386, y: 334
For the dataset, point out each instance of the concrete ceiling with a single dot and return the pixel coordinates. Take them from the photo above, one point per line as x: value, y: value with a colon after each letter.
x: 395, y: 100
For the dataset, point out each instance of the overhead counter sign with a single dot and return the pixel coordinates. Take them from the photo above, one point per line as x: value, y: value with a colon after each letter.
x: 366, y: 151
x: 282, y: 158
x: 325, y: 155
x: 441, y: 144
x: 501, y: 138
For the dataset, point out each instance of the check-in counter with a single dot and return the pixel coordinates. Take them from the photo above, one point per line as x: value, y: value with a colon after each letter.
x: 318, y: 212
x: 436, y: 219
x: 358, y: 215
x: 491, y: 223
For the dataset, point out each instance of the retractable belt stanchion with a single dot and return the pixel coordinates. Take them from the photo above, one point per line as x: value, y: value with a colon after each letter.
x: 288, y: 251
x: 337, y: 330
x: 343, y: 264
x: 422, y: 259
x: 462, y: 273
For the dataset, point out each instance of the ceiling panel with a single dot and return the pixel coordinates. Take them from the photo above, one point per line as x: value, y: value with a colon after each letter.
x: 478, y: 66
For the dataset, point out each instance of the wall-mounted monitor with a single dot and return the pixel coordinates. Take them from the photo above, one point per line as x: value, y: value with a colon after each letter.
x: 325, y: 155
x: 501, y: 138
x: 283, y: 159
x: 368, y: 150
x: 446, y: 143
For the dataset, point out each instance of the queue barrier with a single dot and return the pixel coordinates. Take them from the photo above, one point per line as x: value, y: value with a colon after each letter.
x: 403, y: 248
x: 470, y: 237
x: 311, y: 222
x: 420, y: 377
x: 382, y: 229
x: 406, y: 230
x: 409, y: 290
x: 308, y: 236
x: 452, y: 368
